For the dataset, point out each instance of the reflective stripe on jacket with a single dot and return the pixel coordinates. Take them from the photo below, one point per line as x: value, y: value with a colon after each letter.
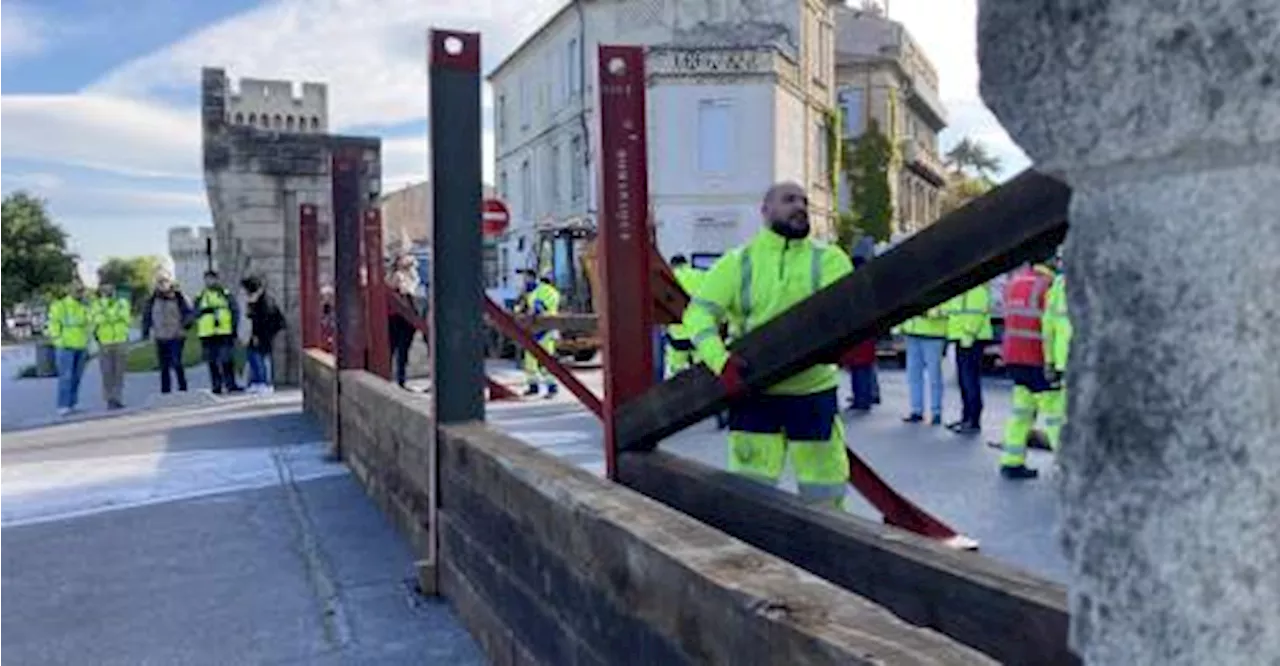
x: 111, y: 318
x: 753, y: 284
x: 969, y: 316
x: 1057, y: 325
x: 1024, y: 299
x: 215, y: 314
x: 68, y: 323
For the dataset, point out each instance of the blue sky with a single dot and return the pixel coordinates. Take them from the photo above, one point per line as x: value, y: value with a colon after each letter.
x: 100, y: 99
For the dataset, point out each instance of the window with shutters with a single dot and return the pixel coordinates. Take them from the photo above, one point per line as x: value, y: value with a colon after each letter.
x: 526, y: 191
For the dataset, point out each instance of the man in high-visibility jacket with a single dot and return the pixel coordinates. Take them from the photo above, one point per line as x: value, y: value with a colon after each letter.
x: 926, y: 336
x: 798, y: 416
x: 1057, y: 343
x: 68, y: 327
x: 969, y: 326
x: 679, y: 352
x: 540, y: 297
x: 217, y: 317
x: 110, y: 315
x: 1035, y: 392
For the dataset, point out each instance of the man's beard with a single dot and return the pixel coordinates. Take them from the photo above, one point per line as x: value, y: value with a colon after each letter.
x: 794, y: 227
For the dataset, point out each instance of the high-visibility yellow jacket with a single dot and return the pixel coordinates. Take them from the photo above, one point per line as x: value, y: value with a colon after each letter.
x: 68, y: 323
x: 215, y: 314
x: 755, y: 283
x: 110, y: 318
x: 690, y: 279
x: 1055, y: 325
x: 931, y: 324
x: 969, y: 316
x: 543, y: 300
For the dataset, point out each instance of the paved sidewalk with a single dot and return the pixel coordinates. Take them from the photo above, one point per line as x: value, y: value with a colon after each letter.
x: 211, y: 533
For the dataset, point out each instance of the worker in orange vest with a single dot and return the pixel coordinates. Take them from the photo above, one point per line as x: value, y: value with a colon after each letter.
x: 1035, y: 392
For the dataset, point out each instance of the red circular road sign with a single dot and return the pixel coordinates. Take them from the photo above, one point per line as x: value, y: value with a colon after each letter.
x: 494, y: 217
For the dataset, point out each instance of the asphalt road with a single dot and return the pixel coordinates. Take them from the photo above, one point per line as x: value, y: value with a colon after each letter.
x: 955, y: 478
x: 209, y: 531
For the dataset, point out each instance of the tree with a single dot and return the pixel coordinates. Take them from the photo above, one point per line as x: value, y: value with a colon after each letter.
x: 132, y: 274
x: 962, y: 188
x: 36, y: 261
x: 972, y: 157
x: 871, y: 202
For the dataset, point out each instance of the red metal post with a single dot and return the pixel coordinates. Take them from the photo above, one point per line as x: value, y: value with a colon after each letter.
x: 624, y: 235
x: 309, y: 275
x: 503, y: 321
x: 375, y: 302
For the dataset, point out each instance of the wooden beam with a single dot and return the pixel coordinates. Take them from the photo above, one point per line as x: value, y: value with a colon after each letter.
x: 990, y: 236
x: 1013, y: 616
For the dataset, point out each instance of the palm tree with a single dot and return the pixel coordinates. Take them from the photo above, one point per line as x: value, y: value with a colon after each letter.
x: 972, y: 155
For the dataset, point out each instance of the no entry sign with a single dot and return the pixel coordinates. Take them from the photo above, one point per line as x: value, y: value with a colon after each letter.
x: 494, y: 217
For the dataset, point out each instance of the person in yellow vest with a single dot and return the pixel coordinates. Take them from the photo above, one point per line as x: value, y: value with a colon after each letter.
x: 926, y: 336
x: 797, y: 417
x: 110, y: 316
x: 679, y: 352
x: 540, y: 297
x: 1056, y: 330
x: 969, y: 326
x: 217, y: 316
x: 68, y: 329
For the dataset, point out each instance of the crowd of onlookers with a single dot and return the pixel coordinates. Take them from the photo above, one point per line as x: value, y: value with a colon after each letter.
x: 80, y: 326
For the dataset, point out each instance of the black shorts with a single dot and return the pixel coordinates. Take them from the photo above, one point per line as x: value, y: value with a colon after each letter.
x: 1030, y: 377
x: 801, y: 418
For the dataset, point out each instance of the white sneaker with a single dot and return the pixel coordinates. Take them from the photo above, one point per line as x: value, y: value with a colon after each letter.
x: 253, y: 389
x: 266, y: 389
x: 64, y: 411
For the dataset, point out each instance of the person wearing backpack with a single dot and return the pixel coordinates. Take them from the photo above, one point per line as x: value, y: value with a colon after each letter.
x: 265, y: 322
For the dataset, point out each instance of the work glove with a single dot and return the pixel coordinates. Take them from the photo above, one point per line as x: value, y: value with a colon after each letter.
x: 1052, y: 376
x: 732, y: 375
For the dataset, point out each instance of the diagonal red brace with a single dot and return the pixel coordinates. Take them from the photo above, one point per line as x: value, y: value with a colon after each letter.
x: 497, y: 390
x: 504, y: 322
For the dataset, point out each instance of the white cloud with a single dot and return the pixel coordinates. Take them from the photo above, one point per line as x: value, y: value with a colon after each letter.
x: 947, y: 31
x: 372, y: 54
x: 101, y: 132
x: 23, y: 31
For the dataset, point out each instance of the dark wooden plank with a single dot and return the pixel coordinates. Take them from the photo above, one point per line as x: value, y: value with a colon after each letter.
x: 999, y: 610
x: 968, y: 247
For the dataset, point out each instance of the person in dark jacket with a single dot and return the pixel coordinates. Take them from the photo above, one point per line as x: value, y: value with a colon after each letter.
x: 403, y: 278
x: 165, y: 319
x: 265, y: 322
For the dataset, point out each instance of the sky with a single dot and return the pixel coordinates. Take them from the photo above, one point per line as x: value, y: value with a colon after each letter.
x: 100, y: 98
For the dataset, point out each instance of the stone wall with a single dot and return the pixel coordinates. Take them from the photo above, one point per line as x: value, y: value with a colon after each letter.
x: 548, y: 564
x: 256, y: 179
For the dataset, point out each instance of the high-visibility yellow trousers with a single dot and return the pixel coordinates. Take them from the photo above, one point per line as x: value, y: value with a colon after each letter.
x: 758, y: 450
x: 534, y: 373
x: 1028, y: 404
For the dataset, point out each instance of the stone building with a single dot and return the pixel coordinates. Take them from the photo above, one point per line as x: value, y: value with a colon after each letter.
x: 188, y: 248
x: 884, y: 75
x: 258, y: 175
x: 740, y: 92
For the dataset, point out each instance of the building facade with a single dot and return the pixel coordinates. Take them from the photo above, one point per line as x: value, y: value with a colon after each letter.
x: 740, y: 94
x: 884, y: 76
x: 189, y: 250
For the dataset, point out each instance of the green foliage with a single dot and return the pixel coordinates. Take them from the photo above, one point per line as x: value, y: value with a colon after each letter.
x: 36, y: 262
x: 134, y: 275
x: 973, y: 159
x: 962, y: 188
x: 847, y: 231
x: 871, y: 156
